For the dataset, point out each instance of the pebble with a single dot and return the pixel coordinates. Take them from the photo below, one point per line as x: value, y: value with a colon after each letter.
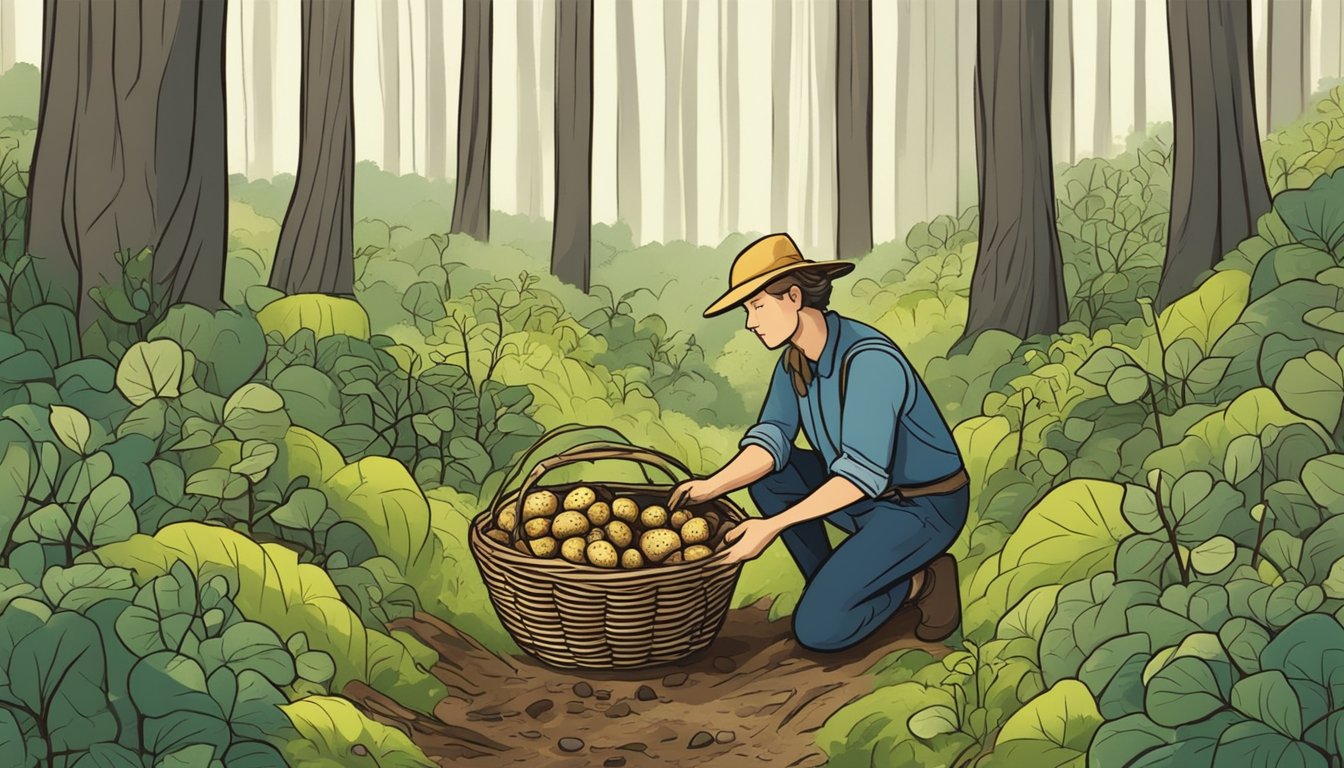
x: 645, y: 693
x: 614, y: 762
x: 539, y: 707
x: 571, y: 744
x: 530, y: 734
x: 360, y: 750
x: 725, y: 737
x: 675, y: 679
x: 725, y: 664
x: 583, y: 690
x: 619, y: 709
x: 634, y: 746
x: 603, y: 695
x: 701, y: 739
x: 574, y: 707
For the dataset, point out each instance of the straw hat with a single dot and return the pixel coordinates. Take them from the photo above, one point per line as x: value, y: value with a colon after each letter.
x: 765, y: 260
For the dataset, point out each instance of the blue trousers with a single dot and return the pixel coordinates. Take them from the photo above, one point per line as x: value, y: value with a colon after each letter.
x: 851, y: 591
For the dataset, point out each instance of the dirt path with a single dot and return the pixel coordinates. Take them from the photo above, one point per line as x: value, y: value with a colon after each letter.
x: 754, y: 689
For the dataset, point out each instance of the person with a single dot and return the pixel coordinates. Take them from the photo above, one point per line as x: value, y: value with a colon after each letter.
x: 883, y: 466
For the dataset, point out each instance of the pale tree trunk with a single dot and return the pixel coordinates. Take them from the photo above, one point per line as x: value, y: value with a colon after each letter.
x: 940, y: 113
x: 7, y: 43
x: 912, y: 141
x: 1140, y: 66
x: 528, y: 165
x: 128, y: 153
x: 854, y: 129
x: 1218, y: 188
x: 1332, y: 30
x: 245, y: 78
x: 690, y: 121
x: 1261, y: 78
x: 414, y: 94
x: 436, y: 80
x: 571, y: 251
x: 471, y: 204
x: 823, y: 150
x: 1018, y: 283
x: 546, y: 105
x: 389, y: 80
x: 781, y: 49
x: 1102, y: 134
x: 967, y: 183
x: 731, y: 207
x: 1063, y: 118
x: 672, y: 168
x: 628, y: 196
x: 263, y: 92
x: 315, y: 253
x: 1287, y: 73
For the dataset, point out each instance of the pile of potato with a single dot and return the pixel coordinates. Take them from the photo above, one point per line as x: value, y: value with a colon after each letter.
x: 584, y: 530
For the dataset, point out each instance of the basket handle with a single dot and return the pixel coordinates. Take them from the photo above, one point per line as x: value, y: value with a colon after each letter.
x: 516, y: 470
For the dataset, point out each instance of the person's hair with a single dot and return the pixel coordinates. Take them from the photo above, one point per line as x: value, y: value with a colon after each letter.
x: 815, y: 287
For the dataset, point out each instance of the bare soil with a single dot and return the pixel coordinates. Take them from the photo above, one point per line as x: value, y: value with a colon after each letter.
x: 754, y: 697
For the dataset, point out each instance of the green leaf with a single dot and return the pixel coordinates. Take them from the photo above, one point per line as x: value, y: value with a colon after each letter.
x: 58, y: 670
x: 932, y: 722
x: 107, y: 755
x: 249, y: 645
x: 1078, y: 430
x: 1313, y: 386
x: 303, y: 510
x: 1334, y: 583
x: 229, y: 346
x: 1308, y: 649
x: 1213, y: 555
x: 331, y: 727
x: 1244, y: 640
x: 165, y: 682
x: 1325, y: 318
x: 1065, y: 715
x: 50, y: 330
x: 323, y: 315
x: 1127, y: 384
x: 1053, y: 461
x: 1208, y: 374
x: 314, y: 666
x: 193, y: 756
x: 151, y: 369
x: 1324, y: 480
x: 1140, y: 509
x: 71, y: 428
x: 1103, y: 364
x: 1242, y: 459
x: 310, y: 397
x: 107, y: 516
x: 149, y: 420
x: 1183, y: 691
x: 1257, y: 745
x: 217, y: 483
x: 80, y: 586
x: 1182, y: 357
x: 257, y: 458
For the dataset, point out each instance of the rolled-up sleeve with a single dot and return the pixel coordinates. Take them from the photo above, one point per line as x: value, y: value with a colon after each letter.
x: 777, y: 427
x: 877, y: 387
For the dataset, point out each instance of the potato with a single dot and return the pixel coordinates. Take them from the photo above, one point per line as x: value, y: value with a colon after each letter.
x: 546, y: 546
x: 573, y: 549
x: 569, y: 524
x: 580, y: 499
x: 620, y: 533
x: 653, y: 516
x: 507, y: 519
x: 539, y: 504
x: 602, y: 554
x: 680, y: 517
x: 498, y: 535
x: 599, y: 513
x: 658, y: 543
x: 537, y: 527
x: 697, y: 552
x: 695, y: 531
x: 625, y: 510
x: 631, y: 559
x: 674, y: 558
x: 596, y: 535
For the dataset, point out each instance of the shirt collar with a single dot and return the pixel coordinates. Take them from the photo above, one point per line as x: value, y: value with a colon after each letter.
x: 826, y: 363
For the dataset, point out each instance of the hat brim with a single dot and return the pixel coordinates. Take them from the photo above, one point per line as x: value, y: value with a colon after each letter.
x: 741, y: 293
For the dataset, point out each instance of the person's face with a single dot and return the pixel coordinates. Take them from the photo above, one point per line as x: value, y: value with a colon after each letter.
x: 774, y: 319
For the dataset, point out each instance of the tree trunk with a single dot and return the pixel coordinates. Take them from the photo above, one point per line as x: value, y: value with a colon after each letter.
x: 690, y: 121
x: 129, y: 149
x: 1018, y: 283
x: 731, y: 208
x: 781, y: 44
x: 940, y: 113
x: 436, y: 81
x: 7, y: 35
x: 471, y: 206
x: 629, y: 199
x: 854, y: 128
x: 912, y: 141
x: 672, y: 168
x: 315, y: 253
x: 965, y: 82
x: 414, y: 94
x: 1102, y: 133
x: 571, y: 244
x: 1140, y: 67
x: 1218, y: 188
x: 546, y: 105
x: 389, y: 80
x: 1063, y: 118
x: 1287, y: 73
x: 528, y: 166
x: 1332, y: 29
x: 263, y: 92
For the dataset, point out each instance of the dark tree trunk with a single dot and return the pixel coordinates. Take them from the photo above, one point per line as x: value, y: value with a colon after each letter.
x: 781, y: 44
x: 1140, y: 66
x: 1018, y: 283
x: 471, y: 208
x: 854, y: 126
x: 528, y: 166
x: 1288, y: 78
x: 1102, y: 134
x: 1218, y: 189
x: 316, y: 251
x: 389, y: 79
x: 571, y: 244
x: 1063, y: 116
x: 436, y: 81
x: 673, y: 208
x: 263, y: 93
x: 129, y: 149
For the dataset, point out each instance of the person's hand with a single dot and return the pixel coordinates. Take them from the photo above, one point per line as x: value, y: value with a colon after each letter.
x: 748, y: 539
x: 691, y: 492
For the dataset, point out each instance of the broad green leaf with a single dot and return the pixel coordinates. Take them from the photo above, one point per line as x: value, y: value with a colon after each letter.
x: 217, y: 484
x: 1213, y: 555
x: 1242, y: 459
x: 80, y: 586
x: 331, y: 727
x: 1208, y: 374
x: 1103, y: 364
x: 1140, y: 509
x: 1127, y: 384
x: 1313, y: 386
x: 1065, y: 715
x: 303, y: 510
x: 229, y: 346
x: 59, y: 671
x: 165, y: 682
x: 193, y: 756
x: 310, y: 397
x: 931, y: 722
x: 323, y: 315
x: 1324, y: 480
x: 1053, y: 461
x: 151, y: 369
x: 1244, y: 640
x: 107, y: 516
x: 1181, y: 358
x: 1183, y: 691
x: 1334, y: 583
x: 71, y: 428
x: 257, y: 458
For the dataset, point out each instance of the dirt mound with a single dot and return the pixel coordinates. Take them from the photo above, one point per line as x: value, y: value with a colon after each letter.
x: 753, y: 695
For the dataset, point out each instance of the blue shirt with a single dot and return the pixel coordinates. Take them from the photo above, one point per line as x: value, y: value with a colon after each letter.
x: 889, y: 432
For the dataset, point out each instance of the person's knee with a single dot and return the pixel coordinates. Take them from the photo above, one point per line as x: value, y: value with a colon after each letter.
x: 823, y: 626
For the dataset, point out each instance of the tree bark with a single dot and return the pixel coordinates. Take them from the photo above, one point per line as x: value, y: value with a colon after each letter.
x: 436, y: 81
x: 854, y: 128
x: 629, y: 198
x: 1063, y: 117
x: 690, y: 121
x: 471, y: 206
x: 546, y: 106
x: 1218, y: 189
x: 571, y: 251
x: 1140, y: 66
x: 965, y: 110
x: 1018, y: 283
x: 413, y: 93
x: 315, y: 253
x: 781, y: 44
x: 1287, y: 71
x: 731, y: 207
x: 389, y: 80
x: 1102, y: 133
x: 528, y: 166
x: 940, y: 113
x: 7, y: 35
x: 672, y: 168
x: 263, y: 93
x: 129, y: 149
x: 1332, y: 30
x: 912, y: 141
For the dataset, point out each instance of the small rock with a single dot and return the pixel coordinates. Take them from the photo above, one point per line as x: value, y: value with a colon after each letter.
x: 645, y: 693
x: 725, y: 664
x: 539, y: 707
x: 360, y: 749
x: 675, y: 679
x: 634, y: 746
x: 614, y: 762
x: 583, y: 690
x: 701, y: 739
x: 725, y: 737
x: 575, y: 707
x: 619, y: 709
x: 603, y: 695
x: 530, y: 734
x: 571, y: 744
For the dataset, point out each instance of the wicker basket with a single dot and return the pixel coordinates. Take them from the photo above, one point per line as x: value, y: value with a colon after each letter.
x: 582, y: 616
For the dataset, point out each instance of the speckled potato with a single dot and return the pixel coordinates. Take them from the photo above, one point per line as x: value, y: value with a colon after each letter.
x: 580, y: 499
x: 632, y: 559
x: 573, y: 549
x: 625, y: 510
x: 596, y: 535
x: 498, y: 535
x: 620, y: 533
x: 602, y: 554
x: 697, y: 552
x: 653, y: 516
x: 695, y: 531
x: 569, y: 524
x: 546, y: 546
x: 537, y: 527
x: 680, y: 517
x: 658, y: 543
x: 539, y: 504
x: 507, y: 519
x: 675, y: 557
x: 599, y: 513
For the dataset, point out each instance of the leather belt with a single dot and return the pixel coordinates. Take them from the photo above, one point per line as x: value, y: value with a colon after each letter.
x: 953, y: 482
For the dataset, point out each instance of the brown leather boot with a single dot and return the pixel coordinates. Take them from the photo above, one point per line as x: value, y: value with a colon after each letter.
x: 938, y: 601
